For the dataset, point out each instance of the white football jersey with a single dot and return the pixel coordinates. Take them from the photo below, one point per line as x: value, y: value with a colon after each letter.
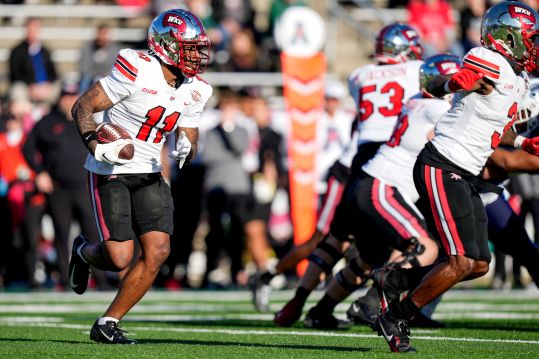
x: 148, y: 108
x: 380, y: 91
x: 333, y: 135
x: 394, y: 161
x: 469, y: 132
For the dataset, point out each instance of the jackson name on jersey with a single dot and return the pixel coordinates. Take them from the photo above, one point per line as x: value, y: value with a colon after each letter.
x: 394, y: 161
x: 148, y: 108
x: 470, y: 131
x: 379, y: 92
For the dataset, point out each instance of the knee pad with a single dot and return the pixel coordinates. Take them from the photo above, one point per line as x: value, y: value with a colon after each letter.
x: 411, y: 253
x: 344, y: 283
x: 331, y: 251
x: 358, y: 267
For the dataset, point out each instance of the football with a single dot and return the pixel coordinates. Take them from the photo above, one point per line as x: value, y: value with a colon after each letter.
x: 109, y: 132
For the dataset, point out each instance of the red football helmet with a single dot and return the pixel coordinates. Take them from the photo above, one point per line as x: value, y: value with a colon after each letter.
x: 511, y: 28
x: 178, y: 38
x: 397, y: 43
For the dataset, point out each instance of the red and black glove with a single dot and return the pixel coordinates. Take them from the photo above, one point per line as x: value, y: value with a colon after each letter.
x: 531, y: 145
x: 464, y: 79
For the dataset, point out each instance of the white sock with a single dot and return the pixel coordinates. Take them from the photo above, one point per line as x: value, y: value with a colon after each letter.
x: 104, y: 320
x: 79, y: 252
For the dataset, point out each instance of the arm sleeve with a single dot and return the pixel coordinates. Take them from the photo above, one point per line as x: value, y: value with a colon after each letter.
x: 121, y: 82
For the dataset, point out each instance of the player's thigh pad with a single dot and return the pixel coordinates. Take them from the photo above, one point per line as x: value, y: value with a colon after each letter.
x: 455, y: 209
x: 390, y: 219
x: 111, y: 202
x: 152, y: 205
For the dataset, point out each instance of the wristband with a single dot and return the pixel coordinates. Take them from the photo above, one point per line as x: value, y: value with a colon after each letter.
x: 518, y: 141
x: 446, y: 87
x: 88, y: 137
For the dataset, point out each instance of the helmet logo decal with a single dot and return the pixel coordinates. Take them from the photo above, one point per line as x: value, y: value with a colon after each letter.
x: 174, y: 21
x: 410, y: 34
x: 527, y: 17
x: 447, y: 67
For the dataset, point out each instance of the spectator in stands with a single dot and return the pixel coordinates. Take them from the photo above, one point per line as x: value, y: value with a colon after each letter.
x: 97, y: 57
x: 31, y: 68
x: 271, y: 175
x: 333, y: 133
x: 232, y: 211
x: 434, y: 21
x: 243, y: 52
x: 54, y: 151
x: 226, y: 205
x: 470, y: 23
x: 23, y: 208
x: 240, y: 10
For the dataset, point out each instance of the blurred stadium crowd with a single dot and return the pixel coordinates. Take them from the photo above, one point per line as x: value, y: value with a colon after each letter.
x: 233, y: 218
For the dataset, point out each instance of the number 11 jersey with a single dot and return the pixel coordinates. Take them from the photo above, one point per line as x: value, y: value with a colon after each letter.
x: 148, y: 108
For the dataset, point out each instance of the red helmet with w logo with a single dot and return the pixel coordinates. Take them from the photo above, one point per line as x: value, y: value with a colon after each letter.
x: 178, y: 38
x: 397, y: 43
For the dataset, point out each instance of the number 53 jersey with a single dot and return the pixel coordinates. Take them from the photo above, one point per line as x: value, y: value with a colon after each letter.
x: 380, y: 91
x: 148, y: 108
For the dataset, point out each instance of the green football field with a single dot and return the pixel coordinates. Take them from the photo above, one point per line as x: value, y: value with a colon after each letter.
x: 202, y: 324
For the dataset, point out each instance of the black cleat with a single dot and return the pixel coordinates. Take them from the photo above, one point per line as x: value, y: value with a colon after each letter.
x: 384, y: 280
x: 395, y: 332
x: 109, y: 333
x: 79, y: 270
x: 290, y: 313
x: 363, y: 311
x: 316, y: 319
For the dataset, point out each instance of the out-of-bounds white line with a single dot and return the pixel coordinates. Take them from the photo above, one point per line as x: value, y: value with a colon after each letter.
x: 486, y: 315
x: 31, y: 319
x: 140, y: 308
x: 274, y: 332
x: 224, y: 296
x: 463, y: 306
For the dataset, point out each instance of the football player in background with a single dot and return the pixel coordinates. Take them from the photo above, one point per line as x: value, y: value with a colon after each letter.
x: 150, y: 95
x: 380, y: 202
x: 379, y: 90
x: 489, y: 86
x: 506, y: 229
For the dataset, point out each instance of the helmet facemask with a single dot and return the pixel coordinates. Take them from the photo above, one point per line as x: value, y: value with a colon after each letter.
x: 191, y: 57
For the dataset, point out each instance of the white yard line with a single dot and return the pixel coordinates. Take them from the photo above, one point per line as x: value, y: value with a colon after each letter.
x: 226, y: 296
x: 272, y: 332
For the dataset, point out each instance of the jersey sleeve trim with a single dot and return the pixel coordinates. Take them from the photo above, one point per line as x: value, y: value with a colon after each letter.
x: 126, y: 68
x: 482, y: 66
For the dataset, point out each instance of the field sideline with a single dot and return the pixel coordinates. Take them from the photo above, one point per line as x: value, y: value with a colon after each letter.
x: 480, y: 324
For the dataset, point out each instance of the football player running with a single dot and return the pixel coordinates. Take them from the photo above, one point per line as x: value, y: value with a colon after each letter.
x: 150, y: 95
x: 379, y: 90
x: 488, y: 89
x: 381, y: 200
